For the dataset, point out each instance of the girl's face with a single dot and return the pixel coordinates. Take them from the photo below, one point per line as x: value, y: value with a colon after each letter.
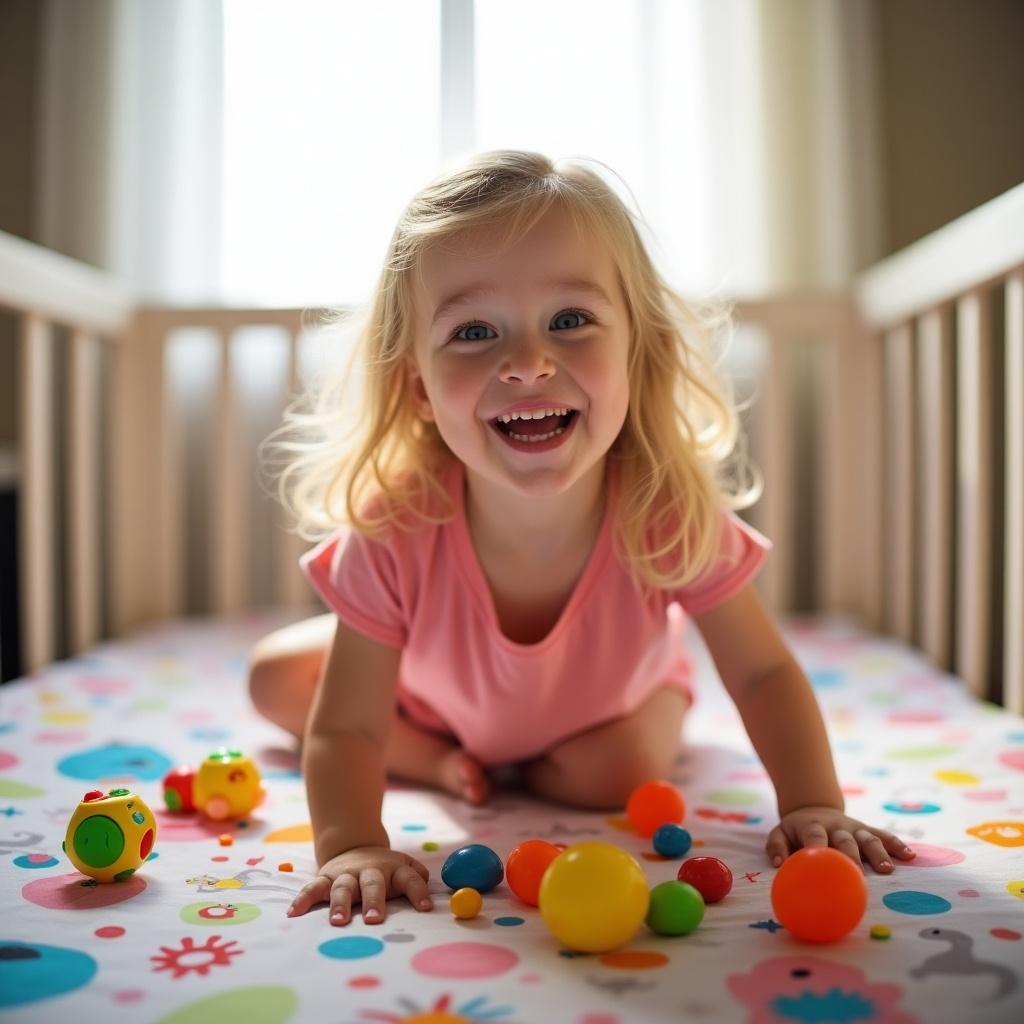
x: 540, y: 323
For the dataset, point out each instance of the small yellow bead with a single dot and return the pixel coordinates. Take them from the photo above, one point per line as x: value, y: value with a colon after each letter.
x: 466, y: 903
x: 880, y: 931
x: 430, y: 846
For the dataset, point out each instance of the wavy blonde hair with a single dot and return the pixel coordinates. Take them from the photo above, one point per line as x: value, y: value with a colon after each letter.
x: 680, y: 452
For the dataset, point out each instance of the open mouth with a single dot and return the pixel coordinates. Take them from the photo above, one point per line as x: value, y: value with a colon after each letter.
x: 535, y: 431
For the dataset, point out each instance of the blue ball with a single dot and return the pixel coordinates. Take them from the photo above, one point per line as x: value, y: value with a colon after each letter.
x: 473, y: 867
x: 672, y: 841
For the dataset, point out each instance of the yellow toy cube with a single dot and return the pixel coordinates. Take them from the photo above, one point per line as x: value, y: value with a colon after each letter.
x: 110, y: 836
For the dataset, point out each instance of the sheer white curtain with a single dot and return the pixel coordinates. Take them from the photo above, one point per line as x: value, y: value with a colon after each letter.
x: 258, y: 151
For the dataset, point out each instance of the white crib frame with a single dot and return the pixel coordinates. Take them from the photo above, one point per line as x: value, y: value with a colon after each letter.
x: 902, y: 363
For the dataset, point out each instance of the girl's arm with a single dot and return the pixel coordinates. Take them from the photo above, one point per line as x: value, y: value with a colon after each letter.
x: 781, y: 716
x: 343, y: 763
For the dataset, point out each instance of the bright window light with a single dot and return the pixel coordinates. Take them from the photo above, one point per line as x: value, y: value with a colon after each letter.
x: 331, y: 123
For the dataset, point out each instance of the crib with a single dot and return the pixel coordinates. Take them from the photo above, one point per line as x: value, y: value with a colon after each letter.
x: 888, y: 420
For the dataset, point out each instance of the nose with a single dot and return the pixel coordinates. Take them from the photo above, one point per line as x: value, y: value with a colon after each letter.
x: 527, y: 358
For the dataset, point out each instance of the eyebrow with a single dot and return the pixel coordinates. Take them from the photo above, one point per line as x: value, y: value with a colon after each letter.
x: 481, y: 291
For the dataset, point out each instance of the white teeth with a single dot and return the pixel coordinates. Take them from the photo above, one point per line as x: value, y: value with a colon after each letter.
x: 540, y: 437
x: 532, y: 414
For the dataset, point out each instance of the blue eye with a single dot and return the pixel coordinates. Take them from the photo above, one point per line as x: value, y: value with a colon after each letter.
x: 560, y: 320
x: 457, y: 335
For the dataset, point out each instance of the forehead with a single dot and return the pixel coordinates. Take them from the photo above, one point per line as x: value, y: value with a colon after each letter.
x: 554, y: 248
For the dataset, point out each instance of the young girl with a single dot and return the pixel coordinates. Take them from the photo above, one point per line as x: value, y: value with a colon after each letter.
x: 535, y: 494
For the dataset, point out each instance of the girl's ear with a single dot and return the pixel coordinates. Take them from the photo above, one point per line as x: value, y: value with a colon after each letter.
x: 418, y: 391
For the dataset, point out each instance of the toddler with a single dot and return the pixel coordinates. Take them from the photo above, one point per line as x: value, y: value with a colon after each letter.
x: 535, y: 490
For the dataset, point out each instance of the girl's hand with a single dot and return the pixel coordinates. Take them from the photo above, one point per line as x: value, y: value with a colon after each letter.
x: 367, y: 874
x: 826, y: 826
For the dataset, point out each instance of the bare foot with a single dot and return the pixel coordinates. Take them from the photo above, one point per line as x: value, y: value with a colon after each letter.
x: 461, y: 774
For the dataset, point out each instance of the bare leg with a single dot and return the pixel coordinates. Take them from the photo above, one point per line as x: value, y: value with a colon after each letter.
x: 599, y: 768
x: 284, y: 671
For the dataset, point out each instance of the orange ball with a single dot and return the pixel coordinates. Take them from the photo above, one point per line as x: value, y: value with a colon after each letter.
x: 654, y: 804
x: 525, y: 868
x: 819, y: 894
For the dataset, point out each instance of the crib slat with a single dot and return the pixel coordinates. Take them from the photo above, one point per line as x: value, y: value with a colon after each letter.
x: 899, y: 482
x: 868, y: 428
x: 974, y: 490
x: 935, y: 430
x: 137, y: 411
x: 1013, y: 632
x: 36, y: 518
x: 84, y: 475
x: 228, y: 465
x: 289, y: 584
x: 773, y: 434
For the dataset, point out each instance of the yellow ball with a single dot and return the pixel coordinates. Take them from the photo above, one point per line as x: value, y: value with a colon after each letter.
x: 593, y: 897
x: 466, y: 903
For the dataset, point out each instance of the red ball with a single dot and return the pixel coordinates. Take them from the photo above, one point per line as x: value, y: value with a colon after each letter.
x: 526, y: 866
x: 654, y: 804
x: 709, y: 876
x: 178, y: 788
x: 819, y: 894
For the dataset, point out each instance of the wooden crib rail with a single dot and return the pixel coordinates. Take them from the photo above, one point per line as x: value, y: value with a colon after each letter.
x: 888, y: 422
x: 948, y: 312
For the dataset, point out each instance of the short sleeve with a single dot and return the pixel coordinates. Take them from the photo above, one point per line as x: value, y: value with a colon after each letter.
x: 358, y: 579
x: 741, y: 551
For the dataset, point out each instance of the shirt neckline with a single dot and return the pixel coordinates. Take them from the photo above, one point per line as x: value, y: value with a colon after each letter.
x: 474, y: 573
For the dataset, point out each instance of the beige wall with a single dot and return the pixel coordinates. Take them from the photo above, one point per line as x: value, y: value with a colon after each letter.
x: 952, y: 82
x: 20, y: 22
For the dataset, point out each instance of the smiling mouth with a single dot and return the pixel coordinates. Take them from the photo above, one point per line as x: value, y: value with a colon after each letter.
x: 535, y: 430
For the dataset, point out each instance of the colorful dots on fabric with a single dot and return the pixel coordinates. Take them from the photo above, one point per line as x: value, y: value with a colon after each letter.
x: 911, y: 807
x: 33, y: 861
x: 116, y: 760
x: 31, y: 971
x: 351, y: 947
x: 74, y: 892
x: 219, y: 914
x: 268, y: 1004
x: 464, y: 960
x: 909, y: 901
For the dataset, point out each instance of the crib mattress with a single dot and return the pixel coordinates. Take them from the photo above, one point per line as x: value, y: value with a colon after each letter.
x: 199, y: 933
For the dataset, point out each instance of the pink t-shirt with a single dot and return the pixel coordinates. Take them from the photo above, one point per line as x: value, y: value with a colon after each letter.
x: 612, y: 646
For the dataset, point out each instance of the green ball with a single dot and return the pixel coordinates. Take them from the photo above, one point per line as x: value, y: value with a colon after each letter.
x: 676, y: 908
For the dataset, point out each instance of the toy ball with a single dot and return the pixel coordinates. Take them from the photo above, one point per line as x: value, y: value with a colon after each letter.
x: 672, y: 841
x: 178, y: 783
x: 466, y: 903
x: 473, y: 867
x: 525, y: 868
x: 709, y: 876
x: 593, y: 897
x: 652, y: 805
x: 676, y: 909
x: 110, y: 836
x: 227, y: 785
x: 819, y: 894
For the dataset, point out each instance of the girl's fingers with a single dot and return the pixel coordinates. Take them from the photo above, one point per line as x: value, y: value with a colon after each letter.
x: 373, y: 890
x: 873, y: 851
x: 777, y: 846
x: 309, y: 895
x: 814, y: 835
x: 896, y: 846
x: 342, y: 893
x: 409, y: 881
x: 846, y: 844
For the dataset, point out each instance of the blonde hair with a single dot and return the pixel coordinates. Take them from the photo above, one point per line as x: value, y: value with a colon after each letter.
x: 680, y: 452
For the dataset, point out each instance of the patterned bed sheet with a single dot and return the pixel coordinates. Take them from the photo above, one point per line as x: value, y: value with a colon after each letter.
x: 200, y: 934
